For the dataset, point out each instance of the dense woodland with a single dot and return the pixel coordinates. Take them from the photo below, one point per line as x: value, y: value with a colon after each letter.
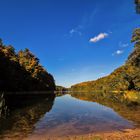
x: 61, y: 88
x: 124, y: 78
x: 22, y: 72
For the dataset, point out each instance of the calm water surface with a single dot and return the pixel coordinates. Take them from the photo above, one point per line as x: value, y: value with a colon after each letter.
x: 62, y: 116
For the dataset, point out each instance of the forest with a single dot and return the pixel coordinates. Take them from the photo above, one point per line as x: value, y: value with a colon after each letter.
x: 22, y: 71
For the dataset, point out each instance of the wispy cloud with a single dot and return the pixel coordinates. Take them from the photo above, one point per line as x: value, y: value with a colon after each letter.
x: 76, y: 30
x: 86, y: 21
x: 118, y: 52
x: 98, y: 37
x: 123, y: 45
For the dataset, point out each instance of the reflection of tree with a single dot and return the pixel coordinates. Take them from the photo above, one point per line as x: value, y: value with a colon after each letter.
x: 21, y: 121
x: 137, y: 2
x: 2, y: 106
x: 128, y: 112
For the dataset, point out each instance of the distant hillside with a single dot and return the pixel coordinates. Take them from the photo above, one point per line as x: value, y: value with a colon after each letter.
x: 60, y: 88
x: 22, y: 72
x: 126, y: 77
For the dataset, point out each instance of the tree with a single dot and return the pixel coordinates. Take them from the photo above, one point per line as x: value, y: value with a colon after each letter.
x: 1, y: 43
x: 136, y: 35
x: 137, y: 2
x: 22, y: 71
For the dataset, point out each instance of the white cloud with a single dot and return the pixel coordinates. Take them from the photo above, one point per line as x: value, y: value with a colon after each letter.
x: 118, y: 52
x: 98, y: 37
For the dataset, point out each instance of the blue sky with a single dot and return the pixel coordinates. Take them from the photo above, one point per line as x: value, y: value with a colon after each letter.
x: 75, y: 40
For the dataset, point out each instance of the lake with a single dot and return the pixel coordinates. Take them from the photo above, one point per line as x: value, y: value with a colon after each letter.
x: 65, y: 116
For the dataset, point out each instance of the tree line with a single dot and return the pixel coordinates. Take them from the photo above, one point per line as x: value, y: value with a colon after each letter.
x: 22, y: 71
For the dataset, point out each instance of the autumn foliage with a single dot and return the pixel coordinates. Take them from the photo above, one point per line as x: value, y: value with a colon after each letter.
x: 22, y: 71
x: 126, y: 77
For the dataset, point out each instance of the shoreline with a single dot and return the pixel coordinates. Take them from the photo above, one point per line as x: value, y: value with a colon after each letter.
x: 126, y: 134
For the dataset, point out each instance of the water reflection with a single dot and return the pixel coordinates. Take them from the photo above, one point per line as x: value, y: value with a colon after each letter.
x: 128, y: 112
x: 23, y: 115
x: 67, y: 115
x: 71, y: 116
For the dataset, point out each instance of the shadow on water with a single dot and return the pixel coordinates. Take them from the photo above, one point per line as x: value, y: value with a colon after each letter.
x: 24, y: 111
